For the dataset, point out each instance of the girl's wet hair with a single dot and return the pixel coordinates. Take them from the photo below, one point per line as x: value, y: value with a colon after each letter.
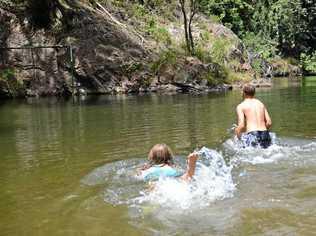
x: 160, y: 154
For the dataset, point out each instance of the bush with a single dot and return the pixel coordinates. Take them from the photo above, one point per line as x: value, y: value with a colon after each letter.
x: 161, y: 35
x: 257, y: 65
x: 139, y: 11
x: 220, y: 49
x: 168, y: 57
x: 265, y: 47
x: 233, y: 77
x: 203, y: 54
x: 12, y: 84
x: 308, y: 62
x: 7, y: 74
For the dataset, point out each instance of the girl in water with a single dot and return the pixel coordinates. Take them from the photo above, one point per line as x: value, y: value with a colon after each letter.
x: 161, y: 164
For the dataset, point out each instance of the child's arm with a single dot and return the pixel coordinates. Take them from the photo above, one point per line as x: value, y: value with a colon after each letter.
x: 142, y: 168
x: 191, y: 163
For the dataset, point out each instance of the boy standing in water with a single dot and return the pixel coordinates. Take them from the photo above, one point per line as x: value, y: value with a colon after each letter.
x: 254, y: 119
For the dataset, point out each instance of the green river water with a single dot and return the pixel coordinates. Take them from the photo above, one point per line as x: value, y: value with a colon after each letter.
x: 49, y: 146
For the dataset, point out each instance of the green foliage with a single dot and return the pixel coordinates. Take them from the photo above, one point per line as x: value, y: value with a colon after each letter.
x: 154, y: 3
x: 203, y: 54
x: 270, y: 27
x: 233, y: 13
x: 131, y: 68
x: 309, y: 62
x: 284, y: 22
x: 211, y: 79
x: 118, y: 3
x: 256, y: 65
x: 12, y: 84
x: 233, y: 77
x: 139, y: 11
x: 160, y: 34
x: 266, y: 47
x: 151, y: 25
x: 167, y: 57
x: 289, y: 23
x: 218, y: 76
x: 7, y: 74
x: 220, y: 50
x: 206, y: 36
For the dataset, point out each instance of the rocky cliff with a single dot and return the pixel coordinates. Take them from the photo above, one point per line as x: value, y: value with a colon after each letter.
x: 113, y: 54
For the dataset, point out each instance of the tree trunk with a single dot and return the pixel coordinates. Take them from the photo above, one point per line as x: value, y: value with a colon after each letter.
x: 191, y: 36
x: 185, y: 21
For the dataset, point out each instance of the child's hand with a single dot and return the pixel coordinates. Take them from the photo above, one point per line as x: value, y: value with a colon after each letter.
x: 192, y: 158
x: 145, y: 167
x: 142, y: 168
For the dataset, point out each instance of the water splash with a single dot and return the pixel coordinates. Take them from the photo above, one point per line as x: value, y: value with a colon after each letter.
x: 212, y: 181
x: 210, y: 200
x: 281, y: 148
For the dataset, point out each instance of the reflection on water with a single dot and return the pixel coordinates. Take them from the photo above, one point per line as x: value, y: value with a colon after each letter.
x: 49, y: 146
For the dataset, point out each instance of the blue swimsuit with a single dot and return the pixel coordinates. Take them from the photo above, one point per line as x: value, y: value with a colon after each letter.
x: 156, y: 171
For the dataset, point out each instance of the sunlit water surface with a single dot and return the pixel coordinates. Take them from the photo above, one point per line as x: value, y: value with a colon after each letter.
x: 68, y: 168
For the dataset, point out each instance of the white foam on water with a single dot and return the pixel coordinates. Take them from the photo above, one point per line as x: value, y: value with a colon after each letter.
x: 281, y: 148
x: 211, y: 199
x: 212, y: 181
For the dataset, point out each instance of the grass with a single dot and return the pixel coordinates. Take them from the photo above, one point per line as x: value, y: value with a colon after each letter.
x: 167, y: 57
x: 7, y: 74
x: 12, y: 83
x: 233, y: 77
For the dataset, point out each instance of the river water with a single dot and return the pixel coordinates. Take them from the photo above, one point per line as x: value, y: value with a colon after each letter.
x: 68, y: 168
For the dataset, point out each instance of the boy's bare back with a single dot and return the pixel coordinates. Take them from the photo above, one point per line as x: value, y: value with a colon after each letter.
x: 254, y: 113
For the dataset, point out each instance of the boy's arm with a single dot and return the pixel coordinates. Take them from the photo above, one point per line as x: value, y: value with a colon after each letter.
x: 191, y: 163
x: 267, y: 118
x: 241, y: 121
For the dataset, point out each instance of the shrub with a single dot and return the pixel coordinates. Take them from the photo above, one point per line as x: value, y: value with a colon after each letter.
x: 265, y: 47
x: 13, y: 85
x: 220, y: 49
x: 168, y: 57
x: 7, y: 74
x: 203, y: 54
x: 233, y: 77
x: 308, y: 62
x: 161, y: 34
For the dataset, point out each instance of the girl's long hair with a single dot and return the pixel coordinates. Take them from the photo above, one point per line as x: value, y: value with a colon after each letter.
x: 160, y: 154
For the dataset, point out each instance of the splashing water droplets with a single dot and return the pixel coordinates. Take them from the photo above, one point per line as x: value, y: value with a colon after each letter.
x: 212, y: 181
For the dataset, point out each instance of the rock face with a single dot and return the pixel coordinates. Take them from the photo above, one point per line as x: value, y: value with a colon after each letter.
x: 36, y: 71
x: 109, y: 57
x: 282, y: 68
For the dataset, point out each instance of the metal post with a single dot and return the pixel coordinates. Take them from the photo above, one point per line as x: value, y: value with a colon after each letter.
x: 72, y: 70
x: 33, y: 64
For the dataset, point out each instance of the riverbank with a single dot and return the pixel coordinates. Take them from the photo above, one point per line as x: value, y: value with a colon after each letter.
x: 119, y: 47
